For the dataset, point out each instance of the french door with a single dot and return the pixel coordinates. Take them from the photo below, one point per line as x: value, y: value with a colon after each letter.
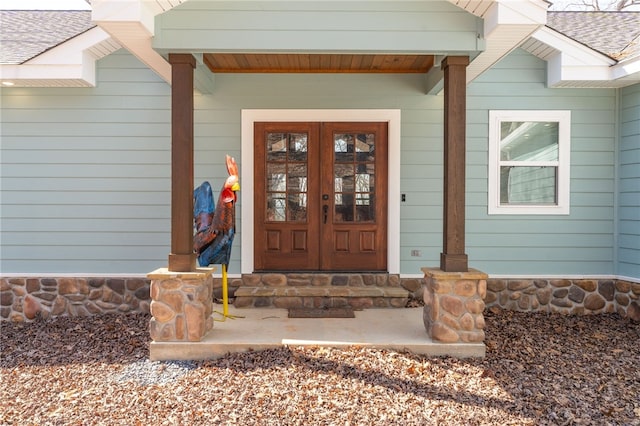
x: 320, y: 196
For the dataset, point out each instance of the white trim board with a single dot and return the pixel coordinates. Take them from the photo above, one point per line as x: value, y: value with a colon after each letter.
x: 250, y: 116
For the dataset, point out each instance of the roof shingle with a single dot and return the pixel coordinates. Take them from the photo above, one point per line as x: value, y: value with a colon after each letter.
x: 615, y: 34
x: 25, y: 34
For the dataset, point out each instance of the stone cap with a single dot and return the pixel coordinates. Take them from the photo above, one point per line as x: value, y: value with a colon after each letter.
x: 164, y: 273
x: 439, y: 274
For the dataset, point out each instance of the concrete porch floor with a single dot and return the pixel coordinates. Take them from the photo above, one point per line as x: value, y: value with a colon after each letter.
x: 399, y: 329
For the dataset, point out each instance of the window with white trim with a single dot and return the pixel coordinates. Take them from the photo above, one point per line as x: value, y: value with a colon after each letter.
x: 529, y: 162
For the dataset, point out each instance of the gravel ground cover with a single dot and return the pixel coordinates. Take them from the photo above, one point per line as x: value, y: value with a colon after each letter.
x: 540, y: 369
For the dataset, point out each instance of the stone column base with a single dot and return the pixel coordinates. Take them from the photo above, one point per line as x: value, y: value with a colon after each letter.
x: 181, y: 305
x: 454, y: 302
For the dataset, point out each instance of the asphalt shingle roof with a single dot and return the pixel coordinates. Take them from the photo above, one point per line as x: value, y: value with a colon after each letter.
x: 25, y: 34
x: 615, y: 34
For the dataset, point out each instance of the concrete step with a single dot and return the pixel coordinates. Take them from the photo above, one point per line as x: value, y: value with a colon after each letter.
x: 259, y: 329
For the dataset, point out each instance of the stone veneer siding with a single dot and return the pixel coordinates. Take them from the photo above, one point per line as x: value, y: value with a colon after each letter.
x: 181, y: 305
x: 25, y: 299
x: 324, y: 290
x: 454, y: 305
x: 567, y: 296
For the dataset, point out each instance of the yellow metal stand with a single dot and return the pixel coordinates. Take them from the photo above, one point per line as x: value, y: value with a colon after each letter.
x: 225, y: 298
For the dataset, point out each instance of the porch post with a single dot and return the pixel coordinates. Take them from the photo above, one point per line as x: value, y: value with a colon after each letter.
x: 453, y: 257
x: 182, y: 257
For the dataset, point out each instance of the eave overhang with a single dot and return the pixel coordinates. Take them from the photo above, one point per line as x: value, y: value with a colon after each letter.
x: 506, y: 25
x: 572, y: 64
x: 131, y: 23
x: 70, y: 64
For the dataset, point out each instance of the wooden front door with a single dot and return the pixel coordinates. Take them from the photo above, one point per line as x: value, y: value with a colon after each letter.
x: 320, y: 196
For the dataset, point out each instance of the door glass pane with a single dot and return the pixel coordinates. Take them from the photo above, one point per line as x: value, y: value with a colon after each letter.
x: 343, y: 178
x: 344, y: 210
x: 343, y: 146
x: 276, y: 146
x: 365, y: 146
x: 365, y: 208
x: 276, y: 207
x: 276, y: 177
x: 286, y: 175
x: 297, y: 192
x: 297, y: 181
x: 362, y: 182
x: 298, y: 146
x: 297, y: 207
x: 354, y: 177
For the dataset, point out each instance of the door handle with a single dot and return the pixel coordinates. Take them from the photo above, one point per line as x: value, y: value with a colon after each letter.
x: 325, y: 210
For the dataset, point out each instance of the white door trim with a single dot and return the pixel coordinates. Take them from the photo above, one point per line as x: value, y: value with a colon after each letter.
x: 250, y: 116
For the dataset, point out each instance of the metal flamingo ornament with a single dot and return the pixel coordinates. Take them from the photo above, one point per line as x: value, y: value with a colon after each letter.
x: 216, y: 228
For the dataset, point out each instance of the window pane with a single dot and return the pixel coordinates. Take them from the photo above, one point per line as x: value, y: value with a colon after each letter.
x: 528, y: 185
x: 529, y: 141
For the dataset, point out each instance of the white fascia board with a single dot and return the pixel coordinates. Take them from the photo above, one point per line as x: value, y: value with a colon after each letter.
x: 131, y: 23
x: 515, y: 12
x: 628, y: 69
x: 574, y: 61
x: 139, y: 11
x: 39, y: 75
x: 69, y: 61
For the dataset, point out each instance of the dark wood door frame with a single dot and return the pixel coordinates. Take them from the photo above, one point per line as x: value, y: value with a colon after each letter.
x: 182, y: 258
x: 302, y: 237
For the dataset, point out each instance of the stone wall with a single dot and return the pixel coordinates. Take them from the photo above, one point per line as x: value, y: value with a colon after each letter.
x: 575, y: 297
x: 27, y: 299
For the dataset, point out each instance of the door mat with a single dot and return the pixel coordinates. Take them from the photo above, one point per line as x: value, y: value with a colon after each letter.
x: 321, y: 313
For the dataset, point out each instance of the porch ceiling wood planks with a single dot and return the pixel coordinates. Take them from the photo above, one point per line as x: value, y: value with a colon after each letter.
x: 317, y: 63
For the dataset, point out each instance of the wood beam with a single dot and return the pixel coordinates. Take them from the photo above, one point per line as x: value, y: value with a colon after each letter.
x: 182, y: 258
x: 453, y: 257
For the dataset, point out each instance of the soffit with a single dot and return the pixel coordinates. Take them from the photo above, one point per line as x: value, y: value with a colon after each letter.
x: 317, y: 63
